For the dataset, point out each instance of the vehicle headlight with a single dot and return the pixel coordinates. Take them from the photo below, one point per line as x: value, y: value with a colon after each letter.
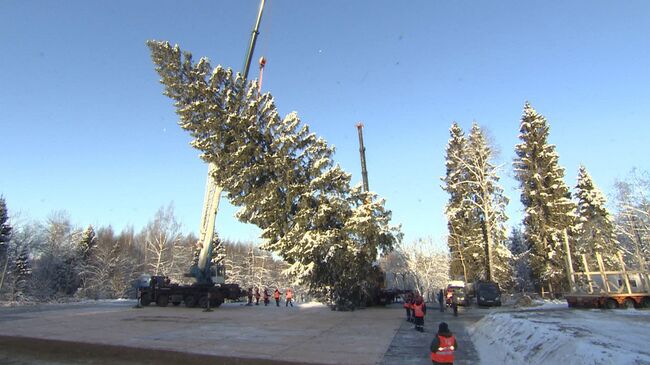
x: 482, y: 298
x: 497, y: 298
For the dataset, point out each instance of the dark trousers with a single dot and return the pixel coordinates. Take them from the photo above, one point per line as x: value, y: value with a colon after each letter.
x: 419, y: 324
x: 277, y: 302
x: 288, y: 301
x: 408, y: 314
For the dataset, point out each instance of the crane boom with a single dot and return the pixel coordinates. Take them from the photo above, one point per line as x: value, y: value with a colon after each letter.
x: 201, y: 271
x: 362, y: 152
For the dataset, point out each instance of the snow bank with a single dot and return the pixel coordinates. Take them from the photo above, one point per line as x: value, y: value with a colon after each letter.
x: 555, y: 334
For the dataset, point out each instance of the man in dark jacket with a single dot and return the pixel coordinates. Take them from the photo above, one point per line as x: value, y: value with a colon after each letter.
x: 443, y: 346
x: 441, y: 300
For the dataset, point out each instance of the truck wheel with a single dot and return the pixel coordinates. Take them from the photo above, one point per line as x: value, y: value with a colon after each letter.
x: 190, y: 301
x: 646, y: 302
x: 611, y: 304
x: 176, y: 303
x: 162, y: 300
x: 145, y: 300
x: 629, y: 303
x: 203, y: 301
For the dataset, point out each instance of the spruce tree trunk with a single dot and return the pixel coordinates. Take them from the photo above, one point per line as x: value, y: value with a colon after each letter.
x: 4, y: 271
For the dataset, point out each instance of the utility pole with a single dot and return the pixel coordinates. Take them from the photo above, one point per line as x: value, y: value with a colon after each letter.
x: 362, y: 151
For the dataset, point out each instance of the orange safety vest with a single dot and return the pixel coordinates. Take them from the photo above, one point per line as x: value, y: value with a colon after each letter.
x: 445, y: 353
x: 406, y: 304
x: 289, y: 294
x: 419, y: 310
x: 276, y: 295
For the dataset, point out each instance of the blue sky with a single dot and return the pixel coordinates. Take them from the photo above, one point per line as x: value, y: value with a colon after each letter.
x: 85, y: 128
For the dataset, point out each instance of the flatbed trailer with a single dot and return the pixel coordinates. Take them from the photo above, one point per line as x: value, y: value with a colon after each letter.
x: 609, y: 289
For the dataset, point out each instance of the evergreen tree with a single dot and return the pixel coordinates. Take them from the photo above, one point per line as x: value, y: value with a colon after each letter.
x: 520, y: 253
x: 279, y: 173
x: 546, y: 198
x: 87, y: 242
x: 463, y: 232
x: 21, y: 272
x: 5, y: 236
x: 595, y: 231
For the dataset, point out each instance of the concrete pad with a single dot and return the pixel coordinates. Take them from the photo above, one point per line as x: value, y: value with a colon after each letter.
x: 310, y: 334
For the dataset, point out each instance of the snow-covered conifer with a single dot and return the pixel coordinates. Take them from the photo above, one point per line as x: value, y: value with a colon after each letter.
x: 463, y: 232
x: 5, y: 236
x: 595, y: 231
x: 549, y: 209
x: 280, y: 174
x: 21, y: 272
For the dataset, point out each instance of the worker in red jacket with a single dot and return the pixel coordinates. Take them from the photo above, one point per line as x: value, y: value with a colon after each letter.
x: 276, y: 295
x: 289, y: 295
x: 443, y: 346
x: 257, y: 296
x: 419, y: 310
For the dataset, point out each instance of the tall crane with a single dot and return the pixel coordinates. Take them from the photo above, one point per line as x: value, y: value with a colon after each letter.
x: 201, y: 271
x: 362, y: 152
x: 210, y: 288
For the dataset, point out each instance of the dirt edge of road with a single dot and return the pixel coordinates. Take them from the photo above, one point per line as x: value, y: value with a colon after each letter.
x: 47, y: 351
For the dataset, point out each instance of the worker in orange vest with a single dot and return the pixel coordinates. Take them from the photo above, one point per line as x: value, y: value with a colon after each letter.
x: 289, y: 296
x: 257, y: 296
x: 443, y: 346
x: 276, y: 295
x: 419, y: 310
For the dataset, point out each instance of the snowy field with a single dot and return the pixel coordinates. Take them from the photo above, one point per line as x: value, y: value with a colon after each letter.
x: 554, y: 334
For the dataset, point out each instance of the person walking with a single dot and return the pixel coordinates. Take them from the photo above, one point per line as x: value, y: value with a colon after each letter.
x: 257, y: 296
x: 441, y: 300
x: 266, y: 296
x: 407, y: 306
x: 443, y: 346
x: 276, y: 295
x: 289, y: 297
x: 454, y: 304
x: 419, y: 310
x: 250, y: 296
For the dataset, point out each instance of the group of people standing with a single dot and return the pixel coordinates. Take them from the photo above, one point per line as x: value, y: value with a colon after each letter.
x: 288, y: 294
x: 444, y: 342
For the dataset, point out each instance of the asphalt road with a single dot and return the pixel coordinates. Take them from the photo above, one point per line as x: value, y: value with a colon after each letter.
x: 113, y: 332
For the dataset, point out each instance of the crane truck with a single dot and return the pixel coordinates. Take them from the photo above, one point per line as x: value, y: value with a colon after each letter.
x: 209, y: 289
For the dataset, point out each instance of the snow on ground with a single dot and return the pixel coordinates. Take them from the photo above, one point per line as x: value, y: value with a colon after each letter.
x: 554, y: 334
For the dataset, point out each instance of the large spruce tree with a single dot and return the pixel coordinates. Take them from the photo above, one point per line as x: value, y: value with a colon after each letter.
x: 463, y: 233
x: 5, y: 236
x: 549, y: 210
x: 280, y: 174
x: 595, y: 232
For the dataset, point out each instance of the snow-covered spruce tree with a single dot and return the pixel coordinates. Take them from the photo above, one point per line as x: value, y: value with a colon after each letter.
x: 21, y: 272
x: 549, y: 209
x: 595, y: 232
x: 279, y: 173
x: 5, y: 236
x: 484, y: 198
x: 464, y: 235
x: 87, y: 242
x: 522, y: 273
